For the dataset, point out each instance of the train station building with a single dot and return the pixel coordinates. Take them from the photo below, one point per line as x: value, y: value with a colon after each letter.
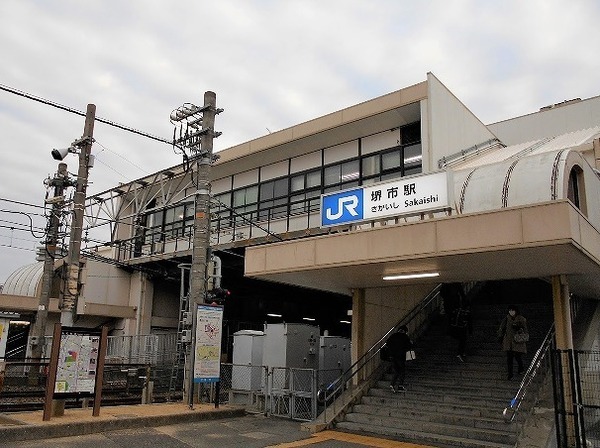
x: 446, y: 198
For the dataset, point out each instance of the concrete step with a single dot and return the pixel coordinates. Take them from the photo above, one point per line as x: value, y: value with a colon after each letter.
x: 500, y: 389
x: 459, y: 394
x: 405, y: 403
x: 434, y: 416
x: 399, y: 426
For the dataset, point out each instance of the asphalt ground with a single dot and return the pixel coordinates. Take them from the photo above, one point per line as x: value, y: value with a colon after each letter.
x: 171, y: 426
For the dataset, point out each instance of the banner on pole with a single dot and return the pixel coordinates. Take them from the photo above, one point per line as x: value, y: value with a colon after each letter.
x: 209, y: 329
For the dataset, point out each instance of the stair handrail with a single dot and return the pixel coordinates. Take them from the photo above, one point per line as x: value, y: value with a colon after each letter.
x: 339, y: 384
x: 509, y: 413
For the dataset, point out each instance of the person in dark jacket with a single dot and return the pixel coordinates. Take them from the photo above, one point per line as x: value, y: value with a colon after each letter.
x: 512, y: 324
x: 398, y: 344
x: 458, y: 312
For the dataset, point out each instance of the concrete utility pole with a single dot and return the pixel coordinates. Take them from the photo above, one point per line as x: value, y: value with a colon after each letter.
x: 201, y: 246
x: 71, y: 293
x: 199, y: 141
x: 59, y: 182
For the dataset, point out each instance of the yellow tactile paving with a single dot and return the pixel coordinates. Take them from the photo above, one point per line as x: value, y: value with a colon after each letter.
x: 350, y: 438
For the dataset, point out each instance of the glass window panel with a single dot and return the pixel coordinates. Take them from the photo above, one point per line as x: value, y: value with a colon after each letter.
x: 350, y: 170
x: 224, y: 199
x: 313, y: 194
x: 252, y: 195
x: 169, y: 215
x: 412, y: 154
x: 179, y: 213
x: 390, y: 160
x: 412, y: 170
x: 332, y: 175
x: 239, y: 198
x: 280, y: 188
x: 297, y: 183
x: 313, y: 179
x: 189, y: 210
x: 371, y: 165
x: 266, y: 191
x: 410, y: 133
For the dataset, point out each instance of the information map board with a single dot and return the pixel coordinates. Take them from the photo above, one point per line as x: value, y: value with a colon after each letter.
x: 209, y: 330
x: 77, y: 362
x: 76, y: 366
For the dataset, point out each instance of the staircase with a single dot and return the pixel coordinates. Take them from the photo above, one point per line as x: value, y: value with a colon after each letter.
x: 449, y: 403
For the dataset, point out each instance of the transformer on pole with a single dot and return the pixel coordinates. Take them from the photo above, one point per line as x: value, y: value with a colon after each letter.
x: 194, y: 133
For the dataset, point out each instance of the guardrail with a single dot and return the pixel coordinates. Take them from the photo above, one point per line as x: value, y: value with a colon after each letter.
x: 348, y: 387
x: 539, y: 362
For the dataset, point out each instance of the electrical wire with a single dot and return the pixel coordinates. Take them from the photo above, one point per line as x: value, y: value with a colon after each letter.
x: 122, y: 157
x: 83, y: 114
x: 30, y: 222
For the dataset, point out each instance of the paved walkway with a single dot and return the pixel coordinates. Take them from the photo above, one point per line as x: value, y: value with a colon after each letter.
x: 171, y: 425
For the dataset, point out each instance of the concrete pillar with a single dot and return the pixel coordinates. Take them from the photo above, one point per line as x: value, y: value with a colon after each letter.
x: 564, y: 341
x: 358, y: 324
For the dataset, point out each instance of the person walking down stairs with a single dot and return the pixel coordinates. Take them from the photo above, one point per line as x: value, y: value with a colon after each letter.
x: 513, y: 334
x: 398, y: 344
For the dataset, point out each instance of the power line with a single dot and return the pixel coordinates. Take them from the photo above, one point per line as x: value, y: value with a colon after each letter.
x: 81, y: 113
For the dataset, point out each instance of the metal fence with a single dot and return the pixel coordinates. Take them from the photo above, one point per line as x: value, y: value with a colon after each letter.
x: 577, y: 398
x: 279, y: 391
x: 152, y: 349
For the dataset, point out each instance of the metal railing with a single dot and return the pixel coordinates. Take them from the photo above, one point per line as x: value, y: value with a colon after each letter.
x: 540, y: 362
x: 346, y: 389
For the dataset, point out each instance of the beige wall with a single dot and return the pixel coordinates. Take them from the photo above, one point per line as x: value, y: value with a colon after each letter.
x: 385, y: 307
x: 451, y: 126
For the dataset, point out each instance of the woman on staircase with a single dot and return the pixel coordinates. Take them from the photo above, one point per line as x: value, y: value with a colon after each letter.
x: 513, y: 334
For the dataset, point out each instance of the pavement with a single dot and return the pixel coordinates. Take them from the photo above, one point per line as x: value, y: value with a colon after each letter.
x: 171, y: 425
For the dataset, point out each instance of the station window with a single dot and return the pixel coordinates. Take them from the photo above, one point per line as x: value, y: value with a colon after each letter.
x: 220, y: 209
x: 245, y: 204
x: 273, y: 199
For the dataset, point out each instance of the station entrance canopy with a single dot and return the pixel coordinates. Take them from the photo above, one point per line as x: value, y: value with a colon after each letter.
x: 534, y: 241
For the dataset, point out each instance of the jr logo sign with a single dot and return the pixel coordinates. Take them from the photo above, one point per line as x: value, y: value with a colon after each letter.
x: 338, y: 208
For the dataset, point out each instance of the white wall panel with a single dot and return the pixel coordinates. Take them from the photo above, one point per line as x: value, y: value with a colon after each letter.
x: 245, y: 178
x: 383, y: 140
x: 341, y: 152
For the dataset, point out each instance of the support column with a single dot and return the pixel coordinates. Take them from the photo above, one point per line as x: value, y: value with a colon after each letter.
x: 358, y: 325
x: 564, y: 341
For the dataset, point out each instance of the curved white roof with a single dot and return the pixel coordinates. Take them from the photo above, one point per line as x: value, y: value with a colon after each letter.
x: 25, y: 280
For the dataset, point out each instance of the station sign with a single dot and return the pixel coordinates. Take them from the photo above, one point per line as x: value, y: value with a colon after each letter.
x: 401, y: 197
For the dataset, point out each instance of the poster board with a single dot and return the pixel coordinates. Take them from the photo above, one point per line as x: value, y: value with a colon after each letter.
x: 76, y: 365
x: 207, y: 352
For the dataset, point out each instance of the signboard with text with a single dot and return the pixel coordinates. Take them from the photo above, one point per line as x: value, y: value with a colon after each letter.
x: 207, y: 356
x: 77, y: 362
x: 401, y: 197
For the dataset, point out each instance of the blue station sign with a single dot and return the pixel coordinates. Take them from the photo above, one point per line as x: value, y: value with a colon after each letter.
x: 405, y: 196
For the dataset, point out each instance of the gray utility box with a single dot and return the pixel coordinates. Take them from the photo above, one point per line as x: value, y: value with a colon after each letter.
x: 247, y: 360
x: 335, y: 358
x: 291, y: 345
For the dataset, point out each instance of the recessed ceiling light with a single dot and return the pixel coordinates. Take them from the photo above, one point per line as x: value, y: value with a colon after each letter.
x: 310, y: 319
x: 411, y: 276
x: 345, y: 322
x: 273, y: 315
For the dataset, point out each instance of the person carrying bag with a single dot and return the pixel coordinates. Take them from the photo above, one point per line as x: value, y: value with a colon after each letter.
x: 513, y: 334
x: 399, y: 347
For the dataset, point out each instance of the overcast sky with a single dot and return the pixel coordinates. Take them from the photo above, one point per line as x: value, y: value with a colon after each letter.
x: 272, y: 64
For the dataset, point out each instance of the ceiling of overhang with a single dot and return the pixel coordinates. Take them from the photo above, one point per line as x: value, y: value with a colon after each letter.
x: 374, y: 124
x: 518, y: 263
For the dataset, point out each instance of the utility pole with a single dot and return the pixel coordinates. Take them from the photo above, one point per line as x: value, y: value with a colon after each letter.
x: 71, y: 293
x: 196, y: 126
x: 38, y: 332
